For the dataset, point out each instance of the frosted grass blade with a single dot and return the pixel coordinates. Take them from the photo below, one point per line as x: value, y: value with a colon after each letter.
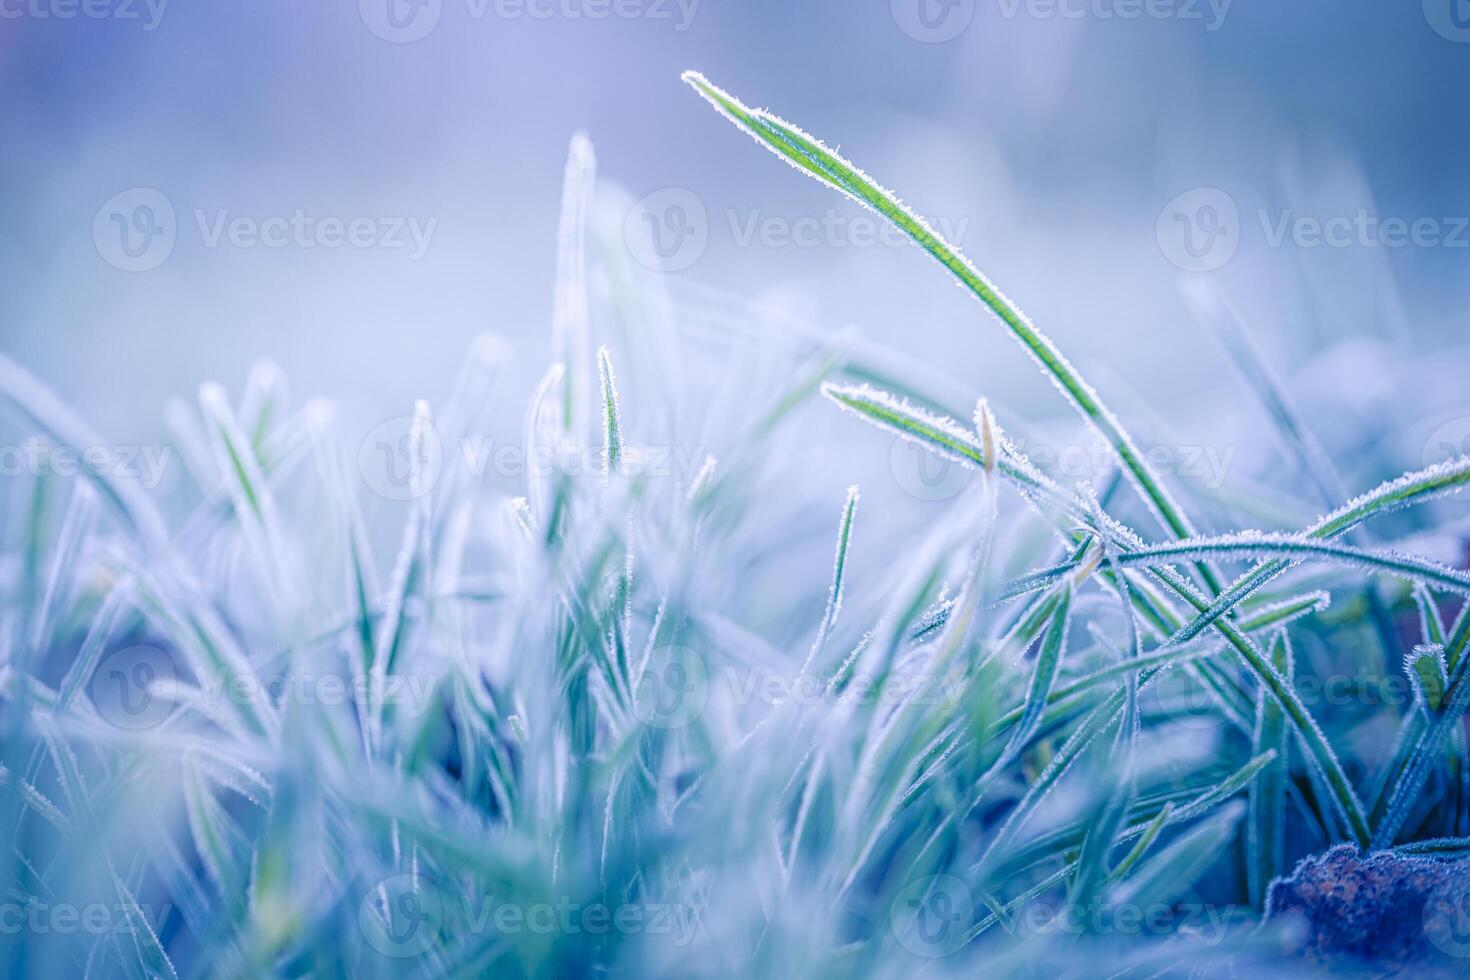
x: 40, y: 406
x: 612, y: 417
x: 811, y: 156
x: 1408, y: 490
x: 1266, y: 850
x: 569, y: 326
x: 263, y: 403
x: 1423, y: 755
x: 839, y: 575
x: 254, y: 504
x: 542, y: 439
x: 1048, y: 662
x: 1425, y: 665
x: 947, y: 438
x: 1212, y: 307
x: 76, y: 528
x: 1166, y: 876
x: 1295, y: 548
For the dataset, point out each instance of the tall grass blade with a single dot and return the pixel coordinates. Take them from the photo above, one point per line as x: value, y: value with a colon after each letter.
x: 1266, y: 846
x: 812, y: 157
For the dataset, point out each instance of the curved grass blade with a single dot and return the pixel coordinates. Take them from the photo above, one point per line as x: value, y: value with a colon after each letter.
x: 1291, y: 547
x: 811, y: 156
x: 948, y: 438
x: 1418, y: 487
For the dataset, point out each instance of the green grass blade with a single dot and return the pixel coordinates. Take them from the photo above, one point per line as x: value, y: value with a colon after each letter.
x: 1169, y: 874
x: 612, y: 417
x: 812, y: 157
x: 1266, y: 852
x: 1288, y: 547
x: 947, y: 438
x: 839, y: 579
x: 38, y: 405
x: 1414, y: 488
x: 569, y: 317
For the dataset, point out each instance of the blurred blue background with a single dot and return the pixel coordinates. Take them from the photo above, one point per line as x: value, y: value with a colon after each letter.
x: 1051, y: 138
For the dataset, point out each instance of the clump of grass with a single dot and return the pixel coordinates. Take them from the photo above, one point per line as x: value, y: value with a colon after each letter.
x: 591, y: 732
